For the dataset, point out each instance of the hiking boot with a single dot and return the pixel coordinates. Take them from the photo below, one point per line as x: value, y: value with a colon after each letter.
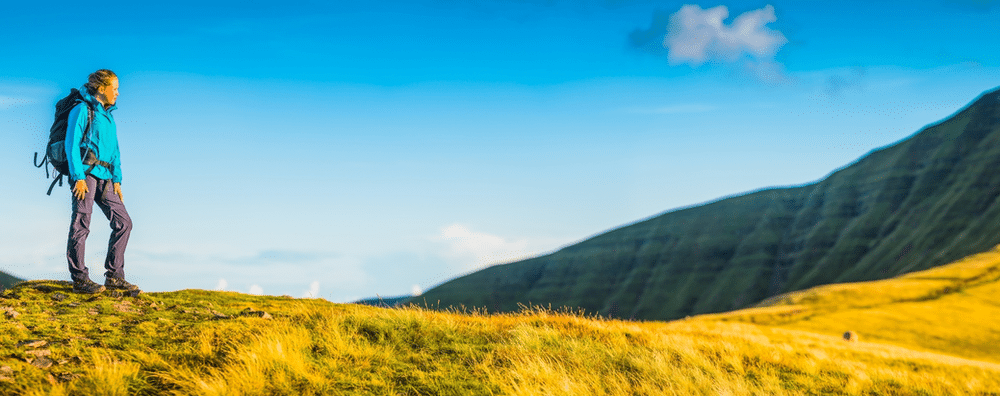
x: 87, y: 286
x: 120, y: 284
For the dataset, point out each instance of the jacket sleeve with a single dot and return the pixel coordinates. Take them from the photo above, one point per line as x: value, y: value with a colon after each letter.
x: 76, y: 125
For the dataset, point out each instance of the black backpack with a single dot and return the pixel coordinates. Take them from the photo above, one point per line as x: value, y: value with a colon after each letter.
x: 55, y: 153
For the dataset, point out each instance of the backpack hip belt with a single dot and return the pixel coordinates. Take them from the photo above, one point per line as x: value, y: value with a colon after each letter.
x: 88, y: 159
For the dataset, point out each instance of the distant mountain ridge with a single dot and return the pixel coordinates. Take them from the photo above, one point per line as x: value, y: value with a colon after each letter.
x: 7, y: 280
x: 922, y: 202
x: 384, y: 302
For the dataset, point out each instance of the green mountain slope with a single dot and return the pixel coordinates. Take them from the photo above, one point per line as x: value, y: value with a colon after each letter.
x: 920, y: 203
x: 6, y: 280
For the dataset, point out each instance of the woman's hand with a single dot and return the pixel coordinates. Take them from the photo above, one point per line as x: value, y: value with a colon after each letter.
x: 80, y: 189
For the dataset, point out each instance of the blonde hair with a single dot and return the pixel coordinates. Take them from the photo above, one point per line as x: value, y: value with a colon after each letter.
x: 100, y: 78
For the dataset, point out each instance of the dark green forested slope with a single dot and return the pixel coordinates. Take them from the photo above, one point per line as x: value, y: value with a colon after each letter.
x: 6, y: 281
x: 923, y: 202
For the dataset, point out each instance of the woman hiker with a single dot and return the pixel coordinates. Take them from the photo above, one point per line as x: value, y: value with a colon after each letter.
x: 96, y: 176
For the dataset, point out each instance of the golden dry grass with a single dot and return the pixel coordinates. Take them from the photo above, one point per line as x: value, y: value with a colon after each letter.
x: 922, y: 334
x: 950, y: 309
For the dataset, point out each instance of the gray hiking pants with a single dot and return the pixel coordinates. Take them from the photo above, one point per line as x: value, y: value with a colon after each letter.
x: 101, y: 192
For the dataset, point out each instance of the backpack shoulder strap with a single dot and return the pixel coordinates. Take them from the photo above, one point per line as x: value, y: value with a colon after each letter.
x: 90, y: 119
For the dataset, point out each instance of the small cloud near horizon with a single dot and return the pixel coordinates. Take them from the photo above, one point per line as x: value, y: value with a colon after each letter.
x: 313, y: 291
x: 221, y: 285
x: 256, y: 290
x: 485, y: 249
x: 416, y: 290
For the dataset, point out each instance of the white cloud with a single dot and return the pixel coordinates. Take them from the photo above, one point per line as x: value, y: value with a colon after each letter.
x: 256, y: 290
x: 416, y: 290
x: 483, y: 249
x: 313, y: 291
x: 475, y: 242
x: 221, y: 285
x: 697, y: 35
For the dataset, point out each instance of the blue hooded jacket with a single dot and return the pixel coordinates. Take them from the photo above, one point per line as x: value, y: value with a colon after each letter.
x: 102, y: 140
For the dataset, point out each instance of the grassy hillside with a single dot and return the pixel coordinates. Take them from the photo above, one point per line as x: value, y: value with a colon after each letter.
x: 949, y: 309
x: 195, y: 342
x: 923, y: 202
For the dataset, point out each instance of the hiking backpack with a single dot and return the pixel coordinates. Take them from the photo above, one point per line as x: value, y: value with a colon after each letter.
x: 55, y: 152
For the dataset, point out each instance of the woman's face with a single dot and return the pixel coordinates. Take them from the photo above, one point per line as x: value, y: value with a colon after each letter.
x: 108, y: 94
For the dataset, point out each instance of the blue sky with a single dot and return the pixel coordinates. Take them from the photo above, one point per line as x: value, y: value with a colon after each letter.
x: 347, y: 149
